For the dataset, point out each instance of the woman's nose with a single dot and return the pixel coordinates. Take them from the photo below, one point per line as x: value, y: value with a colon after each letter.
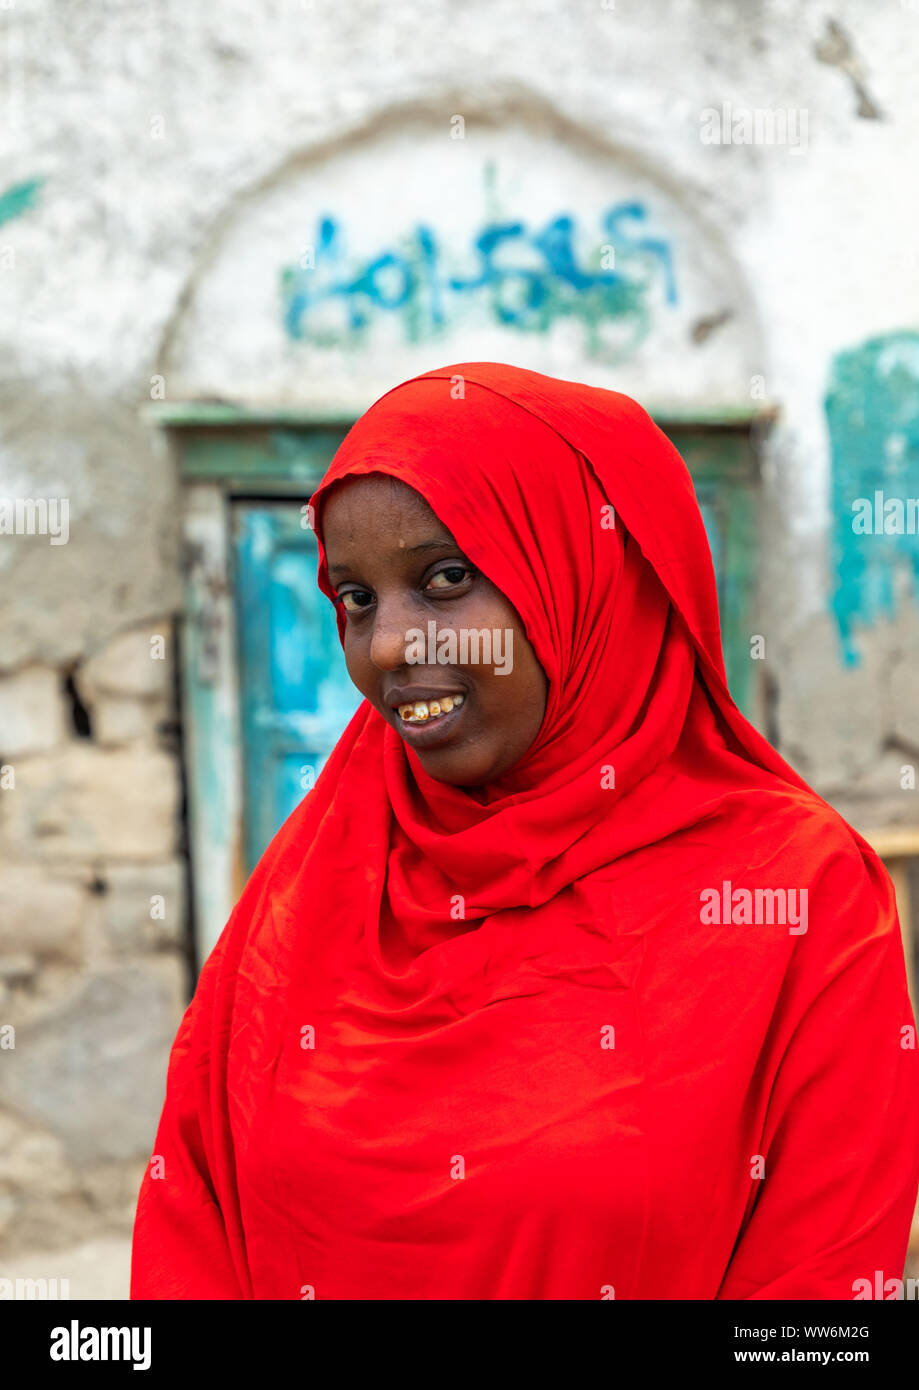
x: 391, y: 633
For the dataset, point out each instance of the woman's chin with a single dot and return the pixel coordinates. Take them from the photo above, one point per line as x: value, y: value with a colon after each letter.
x: 447, y: 766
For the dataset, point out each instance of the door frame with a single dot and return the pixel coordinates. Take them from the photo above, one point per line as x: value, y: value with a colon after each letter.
x: 225, y: 452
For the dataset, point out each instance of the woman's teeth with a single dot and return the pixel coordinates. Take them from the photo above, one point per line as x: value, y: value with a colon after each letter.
x: 423, y: 710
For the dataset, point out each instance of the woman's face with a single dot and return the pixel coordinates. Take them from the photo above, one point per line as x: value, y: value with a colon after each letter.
x: 416, y: 613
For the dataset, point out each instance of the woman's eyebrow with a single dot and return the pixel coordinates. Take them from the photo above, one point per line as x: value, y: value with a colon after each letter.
x: 446, y: 543
x: 431, y: 545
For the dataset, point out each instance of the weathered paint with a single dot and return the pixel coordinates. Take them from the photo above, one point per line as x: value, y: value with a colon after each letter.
x: 525, y: 277
x: 723, y: 468
x: 18, y: 199
x: 211, y: 716
x: 872, y: 407
x: 296, y: 695
x: 252, y: 458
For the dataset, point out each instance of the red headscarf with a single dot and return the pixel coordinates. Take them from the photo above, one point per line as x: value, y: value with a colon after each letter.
x: 586, y: 1084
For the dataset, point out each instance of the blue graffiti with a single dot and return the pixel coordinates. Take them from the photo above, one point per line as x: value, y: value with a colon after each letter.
x: 526, y: 278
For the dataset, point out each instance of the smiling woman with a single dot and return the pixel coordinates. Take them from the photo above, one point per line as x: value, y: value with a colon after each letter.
x: 396, y: 568
x: 474, y: 1029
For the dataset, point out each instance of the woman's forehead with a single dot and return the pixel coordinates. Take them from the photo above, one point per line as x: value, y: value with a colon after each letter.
x: 383, y: 487
x: 376, y: 501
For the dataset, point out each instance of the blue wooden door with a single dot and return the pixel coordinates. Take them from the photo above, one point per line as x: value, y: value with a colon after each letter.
x: 296, y: 696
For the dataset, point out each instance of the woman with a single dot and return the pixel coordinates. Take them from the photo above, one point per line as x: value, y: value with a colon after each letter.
x: 560, y: 983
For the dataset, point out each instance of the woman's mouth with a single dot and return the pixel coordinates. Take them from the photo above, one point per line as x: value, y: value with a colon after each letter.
x: 422, y: 711
x: 425, y: 722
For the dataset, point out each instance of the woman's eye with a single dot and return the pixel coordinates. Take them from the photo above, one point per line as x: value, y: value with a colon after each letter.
x: 359, y: 600
x: 453, y: 574
x: 352, y: 600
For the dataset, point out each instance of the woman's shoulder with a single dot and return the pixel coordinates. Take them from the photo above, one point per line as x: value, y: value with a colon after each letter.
x: 767, y: 836
x: 793, y: 823
x: 796, y: 840
x: 819, y: 828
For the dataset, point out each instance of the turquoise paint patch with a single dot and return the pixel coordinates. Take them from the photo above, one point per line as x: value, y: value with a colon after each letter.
x: 18, y: 199
x: 872, y: 407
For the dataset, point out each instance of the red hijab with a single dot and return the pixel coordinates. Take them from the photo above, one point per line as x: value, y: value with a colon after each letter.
x: 586, y: 1086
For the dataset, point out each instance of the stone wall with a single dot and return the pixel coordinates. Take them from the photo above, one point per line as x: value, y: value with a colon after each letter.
x: 93, y: 935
